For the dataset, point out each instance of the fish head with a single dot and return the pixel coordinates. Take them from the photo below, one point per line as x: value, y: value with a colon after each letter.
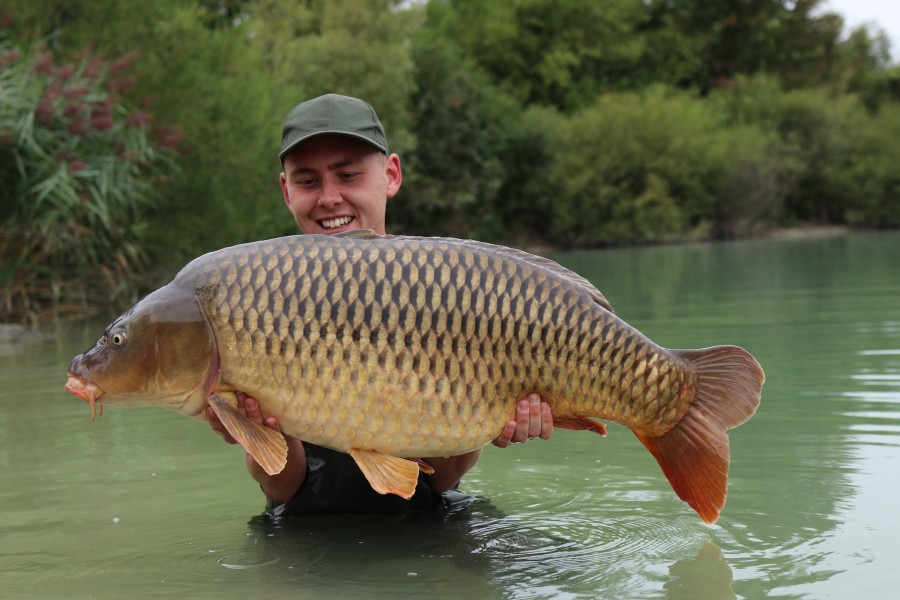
x: 160, y: 352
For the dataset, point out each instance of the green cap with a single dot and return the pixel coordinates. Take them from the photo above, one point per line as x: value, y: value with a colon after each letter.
x: 332, y: 113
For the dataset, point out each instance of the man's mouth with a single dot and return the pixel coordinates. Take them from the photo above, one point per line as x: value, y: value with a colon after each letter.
x: 335, y: 222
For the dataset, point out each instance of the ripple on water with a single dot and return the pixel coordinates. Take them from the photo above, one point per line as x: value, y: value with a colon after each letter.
x: 580, y: 546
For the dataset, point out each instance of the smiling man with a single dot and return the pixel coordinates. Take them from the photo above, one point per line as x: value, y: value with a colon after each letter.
x: 338, y: 176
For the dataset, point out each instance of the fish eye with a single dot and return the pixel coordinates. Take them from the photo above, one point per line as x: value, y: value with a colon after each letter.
x: 118, y: 338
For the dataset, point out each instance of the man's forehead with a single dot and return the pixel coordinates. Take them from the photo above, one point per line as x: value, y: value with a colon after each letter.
x: 331, y: 151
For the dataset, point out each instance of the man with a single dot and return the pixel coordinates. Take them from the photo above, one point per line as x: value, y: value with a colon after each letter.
x: 338, y: 176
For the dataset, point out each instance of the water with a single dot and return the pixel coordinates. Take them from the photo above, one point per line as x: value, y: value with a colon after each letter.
x: 144, y: 503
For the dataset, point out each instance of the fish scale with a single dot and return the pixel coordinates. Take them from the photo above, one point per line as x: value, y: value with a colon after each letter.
x: 391, y: 346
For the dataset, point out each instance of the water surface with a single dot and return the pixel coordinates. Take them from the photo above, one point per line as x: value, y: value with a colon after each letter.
x: 144, y: 503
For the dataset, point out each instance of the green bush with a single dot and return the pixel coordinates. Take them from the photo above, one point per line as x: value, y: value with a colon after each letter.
x: 636, y: 167
x: 78, y: 169
x: 870, y: 178
x: 834, y: 155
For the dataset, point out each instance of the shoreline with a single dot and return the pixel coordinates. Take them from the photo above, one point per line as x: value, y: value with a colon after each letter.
x: 12, y: 332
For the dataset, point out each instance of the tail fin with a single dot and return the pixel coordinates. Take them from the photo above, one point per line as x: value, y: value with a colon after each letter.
x: 694, y: 454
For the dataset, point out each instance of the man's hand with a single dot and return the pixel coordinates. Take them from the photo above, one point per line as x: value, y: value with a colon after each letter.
x: 533, y: 419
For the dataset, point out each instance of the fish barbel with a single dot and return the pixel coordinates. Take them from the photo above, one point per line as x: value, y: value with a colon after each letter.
x: 393, y: 348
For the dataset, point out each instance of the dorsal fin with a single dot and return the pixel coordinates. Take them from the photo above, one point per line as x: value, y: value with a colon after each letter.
x: 543, y: 263
x: 362, y: 234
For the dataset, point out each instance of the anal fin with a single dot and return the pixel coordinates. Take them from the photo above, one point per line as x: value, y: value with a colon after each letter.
x: 388, y: 474
x: 265, y: 445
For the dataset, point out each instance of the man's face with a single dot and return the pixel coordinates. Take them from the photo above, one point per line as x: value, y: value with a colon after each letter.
x: 334, y: 183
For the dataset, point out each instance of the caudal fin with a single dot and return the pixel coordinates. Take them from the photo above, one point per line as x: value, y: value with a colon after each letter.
x: 694, y: 455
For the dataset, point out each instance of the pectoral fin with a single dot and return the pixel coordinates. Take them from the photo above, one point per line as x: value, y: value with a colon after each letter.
x: 265, y: 445
x: 387, y: 474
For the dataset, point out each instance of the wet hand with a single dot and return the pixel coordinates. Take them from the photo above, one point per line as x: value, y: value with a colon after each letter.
x: 533, y: 419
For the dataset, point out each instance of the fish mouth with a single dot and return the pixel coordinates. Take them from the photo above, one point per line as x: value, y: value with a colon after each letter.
x: 87, y: 391
x: 335, y: 223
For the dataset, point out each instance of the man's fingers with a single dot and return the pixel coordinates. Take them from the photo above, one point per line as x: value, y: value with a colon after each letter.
x: 251, y: 409
x: 546, y: 421
x: 523, y: 417
x: 503, y: 440
x: 534, y: 416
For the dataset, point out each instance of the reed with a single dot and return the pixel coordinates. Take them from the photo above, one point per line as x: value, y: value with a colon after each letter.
x: 79, y: 167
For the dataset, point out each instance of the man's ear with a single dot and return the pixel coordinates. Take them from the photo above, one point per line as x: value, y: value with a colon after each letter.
x: 393, y: 174
x: 284, y: 190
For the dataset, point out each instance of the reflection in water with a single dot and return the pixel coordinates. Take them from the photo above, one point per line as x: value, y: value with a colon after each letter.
x: 704, y: 577
x: 474, y: 551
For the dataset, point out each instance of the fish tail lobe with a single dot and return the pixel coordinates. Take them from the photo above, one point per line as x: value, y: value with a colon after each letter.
x: 694, y: 454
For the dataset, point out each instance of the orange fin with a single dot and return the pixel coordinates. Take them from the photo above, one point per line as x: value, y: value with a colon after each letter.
x: 265, y: 445
x: 694, y: 454
x: 423, y: 466
x: 387, y: 474
x: 580, y: 424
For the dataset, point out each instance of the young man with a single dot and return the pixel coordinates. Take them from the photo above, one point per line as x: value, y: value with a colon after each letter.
x: 338, y: 176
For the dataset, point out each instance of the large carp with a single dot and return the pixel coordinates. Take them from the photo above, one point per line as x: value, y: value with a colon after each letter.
x: 396, y: 348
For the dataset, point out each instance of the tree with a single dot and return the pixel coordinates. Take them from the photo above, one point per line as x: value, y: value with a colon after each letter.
x: 459, y: 117
x: 727, y: 38
x: 547, y: 52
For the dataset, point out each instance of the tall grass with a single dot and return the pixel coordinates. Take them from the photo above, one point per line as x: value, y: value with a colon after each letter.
x: 78, y: 169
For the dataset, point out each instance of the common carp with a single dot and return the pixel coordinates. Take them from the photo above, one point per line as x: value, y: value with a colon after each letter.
x: 393, y: 348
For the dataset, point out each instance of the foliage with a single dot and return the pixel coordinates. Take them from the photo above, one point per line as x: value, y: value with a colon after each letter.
x: 635, y: 167
x: 210, y: 82
x: 816, y: 131
x: 78, y: 169
x: 869, y: 180
x: 453, y: 177
x: 524, y: 203
x: 725, y: 39
x: 547, y: 52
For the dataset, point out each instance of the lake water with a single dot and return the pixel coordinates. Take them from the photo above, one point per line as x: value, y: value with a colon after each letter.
x: 144, y: 503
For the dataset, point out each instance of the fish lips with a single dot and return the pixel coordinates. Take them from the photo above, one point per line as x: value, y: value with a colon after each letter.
x: 86, y: 390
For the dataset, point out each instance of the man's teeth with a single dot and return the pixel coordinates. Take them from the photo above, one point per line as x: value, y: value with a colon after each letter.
x: 338, y: 222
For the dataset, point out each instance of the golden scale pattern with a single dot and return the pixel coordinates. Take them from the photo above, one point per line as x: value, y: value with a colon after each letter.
x: 423, y: 344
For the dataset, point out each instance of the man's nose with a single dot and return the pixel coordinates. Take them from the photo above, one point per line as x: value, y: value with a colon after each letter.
x: 331, y: 195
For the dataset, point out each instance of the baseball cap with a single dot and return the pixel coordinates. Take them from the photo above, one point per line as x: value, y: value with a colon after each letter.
x: 332, y: 113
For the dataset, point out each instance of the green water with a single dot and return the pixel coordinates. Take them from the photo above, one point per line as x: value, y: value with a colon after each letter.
x: 144, y: 503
